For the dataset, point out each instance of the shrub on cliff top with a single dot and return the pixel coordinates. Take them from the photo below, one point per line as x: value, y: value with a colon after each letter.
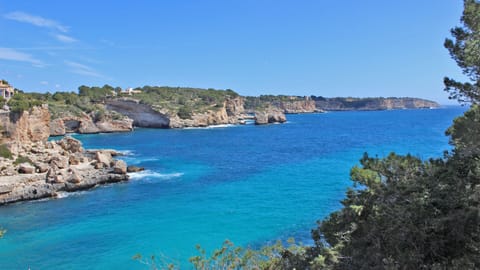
x: 5, y: 152
x: 22, y: 159
x: 185, y: 112
x: 21, y: 102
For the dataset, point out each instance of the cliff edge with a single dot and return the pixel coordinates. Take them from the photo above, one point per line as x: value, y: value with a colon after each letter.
x: 33, y: 167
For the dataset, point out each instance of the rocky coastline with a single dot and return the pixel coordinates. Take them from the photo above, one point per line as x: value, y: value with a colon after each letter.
x: 123, y: 114
x: 372, y: 104
x: 34, y: 168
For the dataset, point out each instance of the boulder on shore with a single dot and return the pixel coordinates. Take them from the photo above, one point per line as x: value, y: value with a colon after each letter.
x: 120, y: 167
x: 74, y: 177
x: 26, y: 168
x: 103, y: 158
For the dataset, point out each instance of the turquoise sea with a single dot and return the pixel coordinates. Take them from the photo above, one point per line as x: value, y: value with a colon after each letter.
x: 250, y: 184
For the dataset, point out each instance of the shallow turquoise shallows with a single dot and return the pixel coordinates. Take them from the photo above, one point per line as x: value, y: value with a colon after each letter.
x: 250, y: 184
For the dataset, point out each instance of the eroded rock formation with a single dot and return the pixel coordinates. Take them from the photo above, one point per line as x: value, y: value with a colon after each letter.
x: 143, y: 115
x: 85, y: 124
x: 37, y: 168
x: 269, y: 116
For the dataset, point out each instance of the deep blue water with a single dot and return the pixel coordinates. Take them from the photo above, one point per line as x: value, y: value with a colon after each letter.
x: 250, y: 184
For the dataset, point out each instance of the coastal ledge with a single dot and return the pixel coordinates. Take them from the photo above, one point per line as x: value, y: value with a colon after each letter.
x: 47, y: 168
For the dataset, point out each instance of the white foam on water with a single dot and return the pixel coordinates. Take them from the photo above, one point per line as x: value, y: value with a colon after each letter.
x: 212, y: 126
x: 126, y: 152
x: 151, y: 174
x: 134, y: 160
x: 65, y: 194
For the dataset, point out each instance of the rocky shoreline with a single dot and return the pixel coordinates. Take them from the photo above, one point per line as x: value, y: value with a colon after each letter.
x: 41, y: 170
x: 31, y: 167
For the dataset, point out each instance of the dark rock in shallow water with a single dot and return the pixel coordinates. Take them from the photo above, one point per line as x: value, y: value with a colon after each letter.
x: 134, y: 169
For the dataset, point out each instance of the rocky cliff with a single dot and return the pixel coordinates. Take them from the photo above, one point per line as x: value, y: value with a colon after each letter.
x: 33, y: 168
x: 26, y: 127
x: 370, y: 104
x: 297, y: 106
x: 47, y: 168
x: 232, y: 111
x: 269, y: 115
x: 143, y: 115
x: 87, y: 124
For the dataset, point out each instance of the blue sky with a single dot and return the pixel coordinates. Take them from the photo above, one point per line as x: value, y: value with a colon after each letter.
x: 328, y: 48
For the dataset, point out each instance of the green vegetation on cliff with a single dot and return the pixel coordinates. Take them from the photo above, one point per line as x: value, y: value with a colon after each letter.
x: 263, y: 101
x: 22, y: 102
x: 5, y: 152
x: 182, y: 100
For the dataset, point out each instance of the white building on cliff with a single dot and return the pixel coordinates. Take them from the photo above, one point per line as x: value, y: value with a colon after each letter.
x: 6, y: 91
x: 130, y: 91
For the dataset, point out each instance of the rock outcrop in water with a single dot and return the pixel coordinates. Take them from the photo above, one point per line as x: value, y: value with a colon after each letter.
x: 34, y: 168
x: 270, y: 115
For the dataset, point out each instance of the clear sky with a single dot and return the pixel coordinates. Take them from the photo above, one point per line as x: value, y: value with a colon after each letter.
x: 328, y: 48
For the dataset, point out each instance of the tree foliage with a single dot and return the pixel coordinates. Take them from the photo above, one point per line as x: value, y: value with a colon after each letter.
x: 405, y: 213
x: 96, y: 93
x: 21, y: 102
x: 184, y: 101
x: 465, y: 50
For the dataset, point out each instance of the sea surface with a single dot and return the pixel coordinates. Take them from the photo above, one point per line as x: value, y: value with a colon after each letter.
x: 249, y: 184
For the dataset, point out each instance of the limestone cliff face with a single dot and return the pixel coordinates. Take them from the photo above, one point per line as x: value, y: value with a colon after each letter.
x: 49, y: 167
x: 27, y: 127
x: 107, y: 126
x: 231, y: 112
x: 297, y: 106
x: 86, y: 125
x: 208, y: 118
x: 143, y: 115
x: 235, y: 107
x: 270, y: 115
x: 370, y: 104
